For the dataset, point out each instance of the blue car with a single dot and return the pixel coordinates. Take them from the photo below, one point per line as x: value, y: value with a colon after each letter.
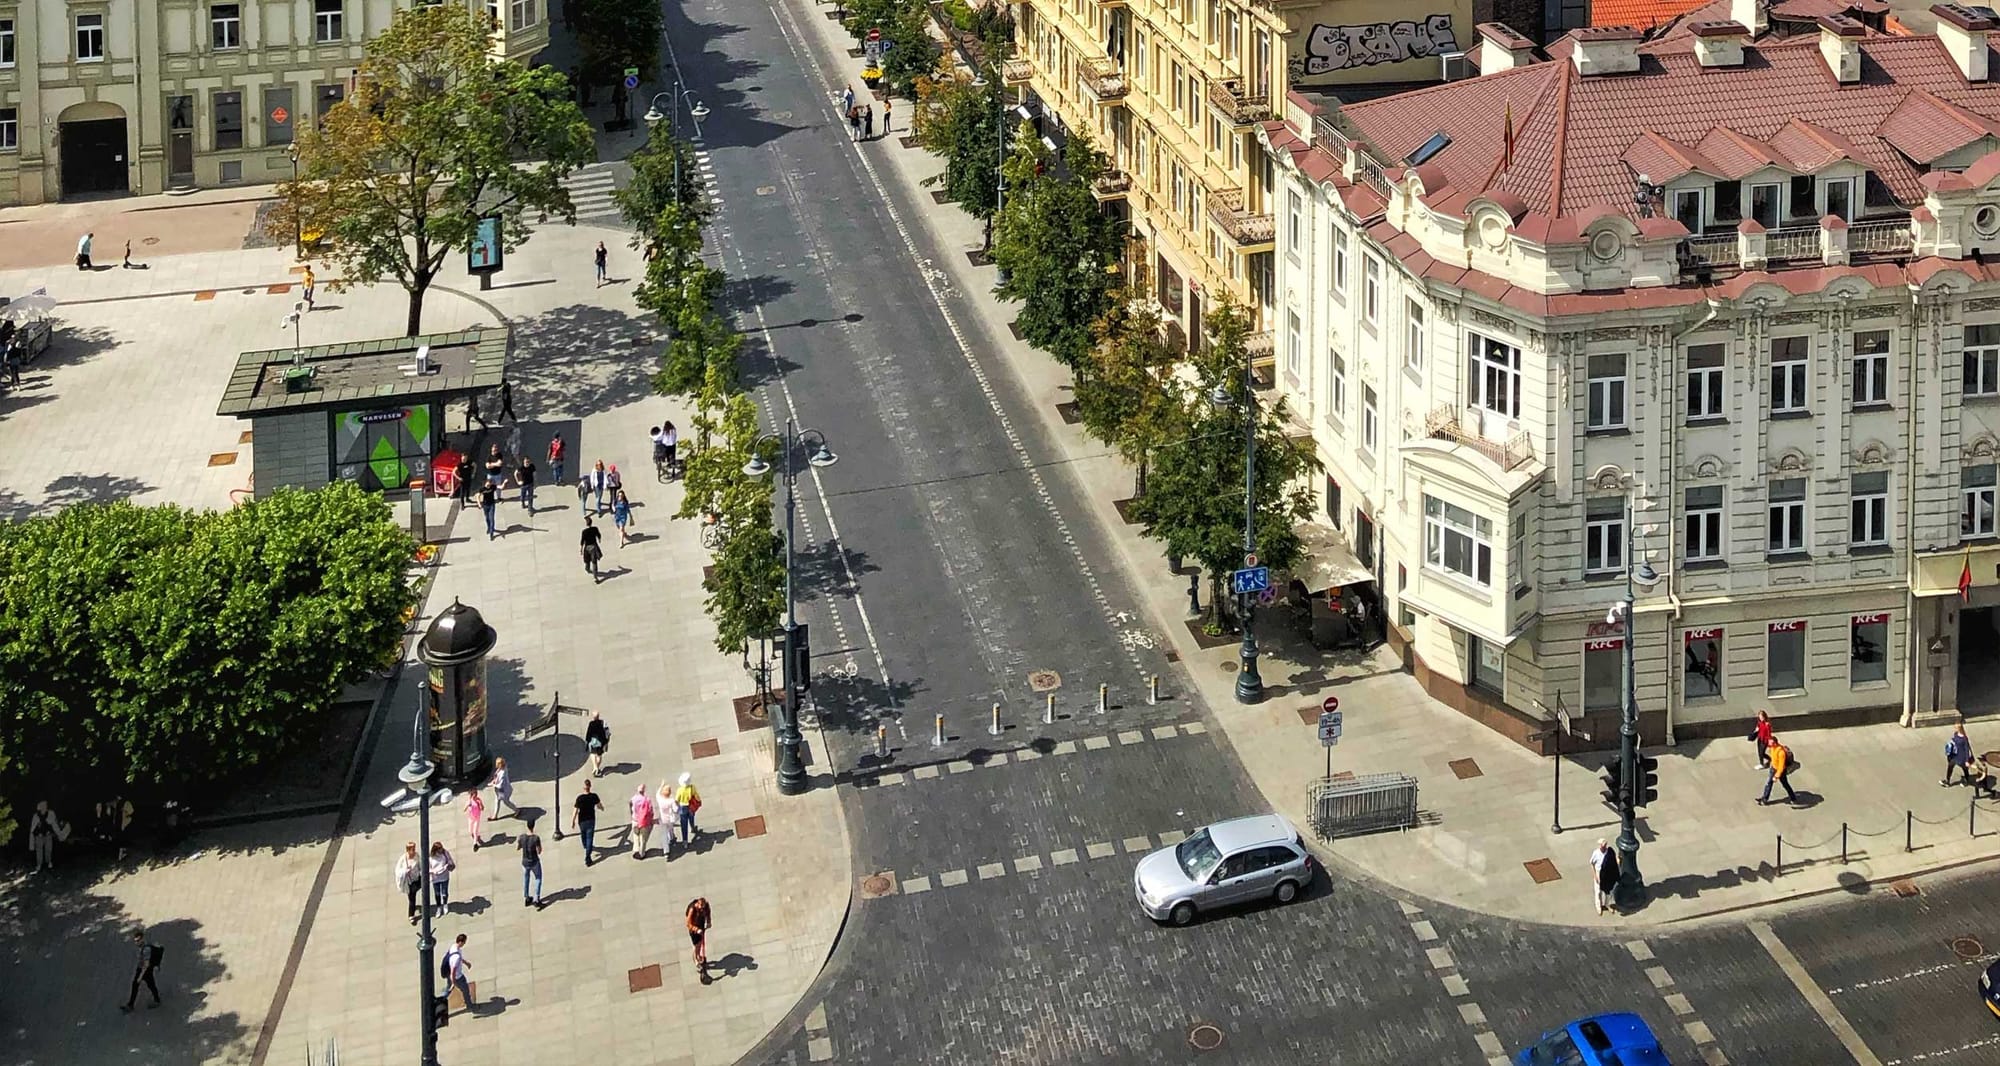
x: 1989, y: 989
x: 1600, y: 1040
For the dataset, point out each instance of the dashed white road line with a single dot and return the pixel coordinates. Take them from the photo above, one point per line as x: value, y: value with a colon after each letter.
x: 1820, y: 1002
x: 1663, y: 983
x: 1446, y: 969
x: 1027, y: 864
x: 1925, y: 971
x: 930, y: 771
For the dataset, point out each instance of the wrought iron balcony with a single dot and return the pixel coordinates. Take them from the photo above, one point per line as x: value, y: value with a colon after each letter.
x: 1448, y: 422
x: 1226, y: 96
x: 1111, y: 185
x: 1225, y: 206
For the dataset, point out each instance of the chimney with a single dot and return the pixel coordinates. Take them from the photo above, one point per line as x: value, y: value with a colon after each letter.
x: 1502, y: 49
x: 1719, y: 44
x: 1840, y: 42
x: 1605, y: 50
x: 1963, y: 33
x: 1750, y: 14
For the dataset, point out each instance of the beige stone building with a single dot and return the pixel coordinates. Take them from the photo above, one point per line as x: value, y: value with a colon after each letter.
x: 1723, y: 292
x: 140, y: 96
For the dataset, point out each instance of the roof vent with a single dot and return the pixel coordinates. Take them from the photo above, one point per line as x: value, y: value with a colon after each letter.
x: 1501, y: 48
x: 1719, y: 44
x: 1840, y: 42
x: 1963, y: 32
x: 1606, y: 50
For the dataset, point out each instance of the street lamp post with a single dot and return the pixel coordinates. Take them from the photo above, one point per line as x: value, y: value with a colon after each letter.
x: 416, y: 777
x: 696, y: 112
x: 1645, y: 578
x: 791, y: 766
x: 1249, y: 684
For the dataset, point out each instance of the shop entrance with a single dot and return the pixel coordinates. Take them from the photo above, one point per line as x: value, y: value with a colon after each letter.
x: 93, y: 157
x: 1979, y: 660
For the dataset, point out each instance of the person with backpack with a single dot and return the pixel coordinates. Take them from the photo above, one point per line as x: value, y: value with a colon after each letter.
x: 1957, y: 756
x: 687, y: 802
x: 597, y: 737
x: 149, y: 962
x: 453, y: 969
x: 1782, y: 765
x: 529, y: 845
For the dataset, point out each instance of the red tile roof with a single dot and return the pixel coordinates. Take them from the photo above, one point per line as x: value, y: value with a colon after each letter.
x: 1580, y: 141
x: 1640, y: 13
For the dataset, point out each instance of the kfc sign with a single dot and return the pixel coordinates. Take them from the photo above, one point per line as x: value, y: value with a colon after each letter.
x: 1872, y: 619
x: 1793, y: 626
x: 1694, y: 635
x: 1604, y: 644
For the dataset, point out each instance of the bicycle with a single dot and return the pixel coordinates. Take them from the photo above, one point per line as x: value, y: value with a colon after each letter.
x: 712, y: 530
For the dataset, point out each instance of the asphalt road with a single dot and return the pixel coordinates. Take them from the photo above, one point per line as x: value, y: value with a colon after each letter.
x: 958, y: 571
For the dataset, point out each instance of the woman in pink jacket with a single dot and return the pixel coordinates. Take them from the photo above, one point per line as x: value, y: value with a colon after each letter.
x: 475, y: 813
x: 642, y: 821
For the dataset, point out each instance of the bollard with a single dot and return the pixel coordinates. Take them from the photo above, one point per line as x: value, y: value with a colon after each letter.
x: 1843, y: 843
x: 995, y: 727
x: 1049, y: 710
x: 1103, y: 697
x: 937, y: 738
x: 1153, y: 689
x: 1781, y: 855
x: 1972, y: 817
x: 1909, y: 831
x: 882, y: 742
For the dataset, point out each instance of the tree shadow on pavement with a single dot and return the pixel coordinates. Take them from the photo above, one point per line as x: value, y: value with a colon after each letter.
x: 69, y: 966
x: 69, y: 490
x: 758, y: 364
x: 73, y: 345
x: 579, y: 360
x: 825, y: 567
x: 854, y: 705
x: 732, y: 121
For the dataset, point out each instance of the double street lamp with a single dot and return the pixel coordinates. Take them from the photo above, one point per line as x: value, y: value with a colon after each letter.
x: 1642, y: 578
x: 674, y: 97
x: 791, y: 766
x: 1249, y: 684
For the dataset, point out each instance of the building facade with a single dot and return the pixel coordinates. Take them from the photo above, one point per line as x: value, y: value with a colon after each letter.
x: 142, y: 96
x: 1706, y: 298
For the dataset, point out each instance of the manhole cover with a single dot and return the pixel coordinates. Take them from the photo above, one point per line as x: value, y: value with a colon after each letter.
x: 1904, y: 888
x: 1543, y: 871
x: 1966, y: 947
x: 1465, y: 768
x: 1204, y: 1037
x: 1229, y: 666
x: 1044, y: 680
x: 643, y: 979
x: 875, y: 886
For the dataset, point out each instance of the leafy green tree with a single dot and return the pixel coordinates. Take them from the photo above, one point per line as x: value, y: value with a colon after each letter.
x: 1194, y: 496
x: 1123, y: 386
x: 435, y: 136
x: 913, y: 52
x: 703, y: 343
x: 677, y: 283
x: 614, y: 35
x: 746, y: 585
x: 962, y: 120
x: 653, y: 187
x: 192, y: 645
x: 1056, y: 247
x: 865, y: 15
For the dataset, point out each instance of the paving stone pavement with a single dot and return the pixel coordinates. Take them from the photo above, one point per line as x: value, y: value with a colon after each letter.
x: 637, y: 648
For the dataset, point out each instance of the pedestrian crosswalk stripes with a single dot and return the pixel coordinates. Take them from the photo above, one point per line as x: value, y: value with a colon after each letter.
x: 590, y: 190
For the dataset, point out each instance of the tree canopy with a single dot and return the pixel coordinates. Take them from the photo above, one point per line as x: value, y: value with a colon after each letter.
x: 1124, y: 387
x: 158, y: 649
x: 1056, y: 247
x: 657, y: 184
x: 435, y: 136
x: 961, y: 121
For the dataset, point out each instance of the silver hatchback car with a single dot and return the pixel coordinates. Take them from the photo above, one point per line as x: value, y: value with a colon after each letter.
x: 1228, y: 862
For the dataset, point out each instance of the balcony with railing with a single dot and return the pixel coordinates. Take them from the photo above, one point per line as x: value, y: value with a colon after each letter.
x: 1017, y: 71
x: 1227, y: 97
x: 1102, y: 80
x: 1111, y: 185
x: 1798, y: 244
x: 1893, y: 237
x: 1225, y: 207
x: 1449, y: 422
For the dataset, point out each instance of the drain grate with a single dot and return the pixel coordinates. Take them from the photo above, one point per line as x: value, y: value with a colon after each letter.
x: 1543, y: 871
x: 1204, y: 1037
x: 875, y: 886
x: 1967, y: 947
x: 1465, y: 768
x: 643, y: 979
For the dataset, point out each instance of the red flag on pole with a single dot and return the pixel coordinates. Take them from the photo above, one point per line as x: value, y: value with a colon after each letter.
x: 1965, y: 577
x: 1507, y: 153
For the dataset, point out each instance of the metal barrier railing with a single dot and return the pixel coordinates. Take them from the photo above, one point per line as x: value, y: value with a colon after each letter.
x: 1367, y: 803
x: 1909, y: 827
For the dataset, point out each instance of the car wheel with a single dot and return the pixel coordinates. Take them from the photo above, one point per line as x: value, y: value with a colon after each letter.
x: 1287, y: 891
x: 1182, y: 914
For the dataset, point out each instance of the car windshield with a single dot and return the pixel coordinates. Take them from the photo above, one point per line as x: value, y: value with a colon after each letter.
x: 1555, y: 1049
x: 1197, y: 856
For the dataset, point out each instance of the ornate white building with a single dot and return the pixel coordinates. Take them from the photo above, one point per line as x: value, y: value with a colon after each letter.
x: 108, y: 96
x: 1721, y: 287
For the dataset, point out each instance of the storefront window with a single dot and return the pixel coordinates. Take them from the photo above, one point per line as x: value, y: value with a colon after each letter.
x: 1489, y: 665
x: 1785, y: 657
x: 1603, y: 673
x: 1868, y: 648
x: 1704, y: 663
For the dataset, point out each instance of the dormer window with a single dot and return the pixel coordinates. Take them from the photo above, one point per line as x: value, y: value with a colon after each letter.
x: 1805, y: 201
x: 1687, y: 209
x: 1839, y: 198
x: 1764, y: 204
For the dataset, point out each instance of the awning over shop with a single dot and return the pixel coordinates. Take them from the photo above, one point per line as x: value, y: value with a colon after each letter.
x: 1325, y: 561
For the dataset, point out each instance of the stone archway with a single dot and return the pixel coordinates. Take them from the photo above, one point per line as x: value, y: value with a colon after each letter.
x: 94, y: 149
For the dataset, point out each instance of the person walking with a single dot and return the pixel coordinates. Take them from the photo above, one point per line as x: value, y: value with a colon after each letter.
x: 440, y: 867
x: 888, y: 106
x: 507, y: 400
x: 472, y: 414
x: 847, y: 99
x: 530, y: 846
x: 557, y: 450
x: 613, y: 481
x: 502, y: 785
x: 475, y: 817
x: 687, y: 802
x: 668, y: 815
x: 853, y: 123
x: 83, y: 252
x: 670, y: 439
x: 410, y: 875
x: 1761, y: 733
x: 583, y: 493
x: 461, y: 488
x: 621, y: 513
x: 642, y: 821
x: 1604, y: 876
x: 496, y: 466
x: 43, y: 828
x: 307, y: 283
x: 597, y: 479
x: 699, y: 918
x: 1957, y: 756
x: 583, y: 819
x: 1781, y: 768
x: 454, y: 970
x: 489, y: 502
x: 148, y: 964
x: 591, y: 545
x: 524, y: 476
x: 603, y: 263
x: 597, y: 737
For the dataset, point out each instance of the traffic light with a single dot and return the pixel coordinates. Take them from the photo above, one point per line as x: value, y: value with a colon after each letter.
x: 1647, y: 768
x: 441, y: 1010
x: 798, y: 659
x: 1614, y: 785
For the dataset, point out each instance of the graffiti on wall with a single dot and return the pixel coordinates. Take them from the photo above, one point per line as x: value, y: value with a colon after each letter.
x: 1331, y: 48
